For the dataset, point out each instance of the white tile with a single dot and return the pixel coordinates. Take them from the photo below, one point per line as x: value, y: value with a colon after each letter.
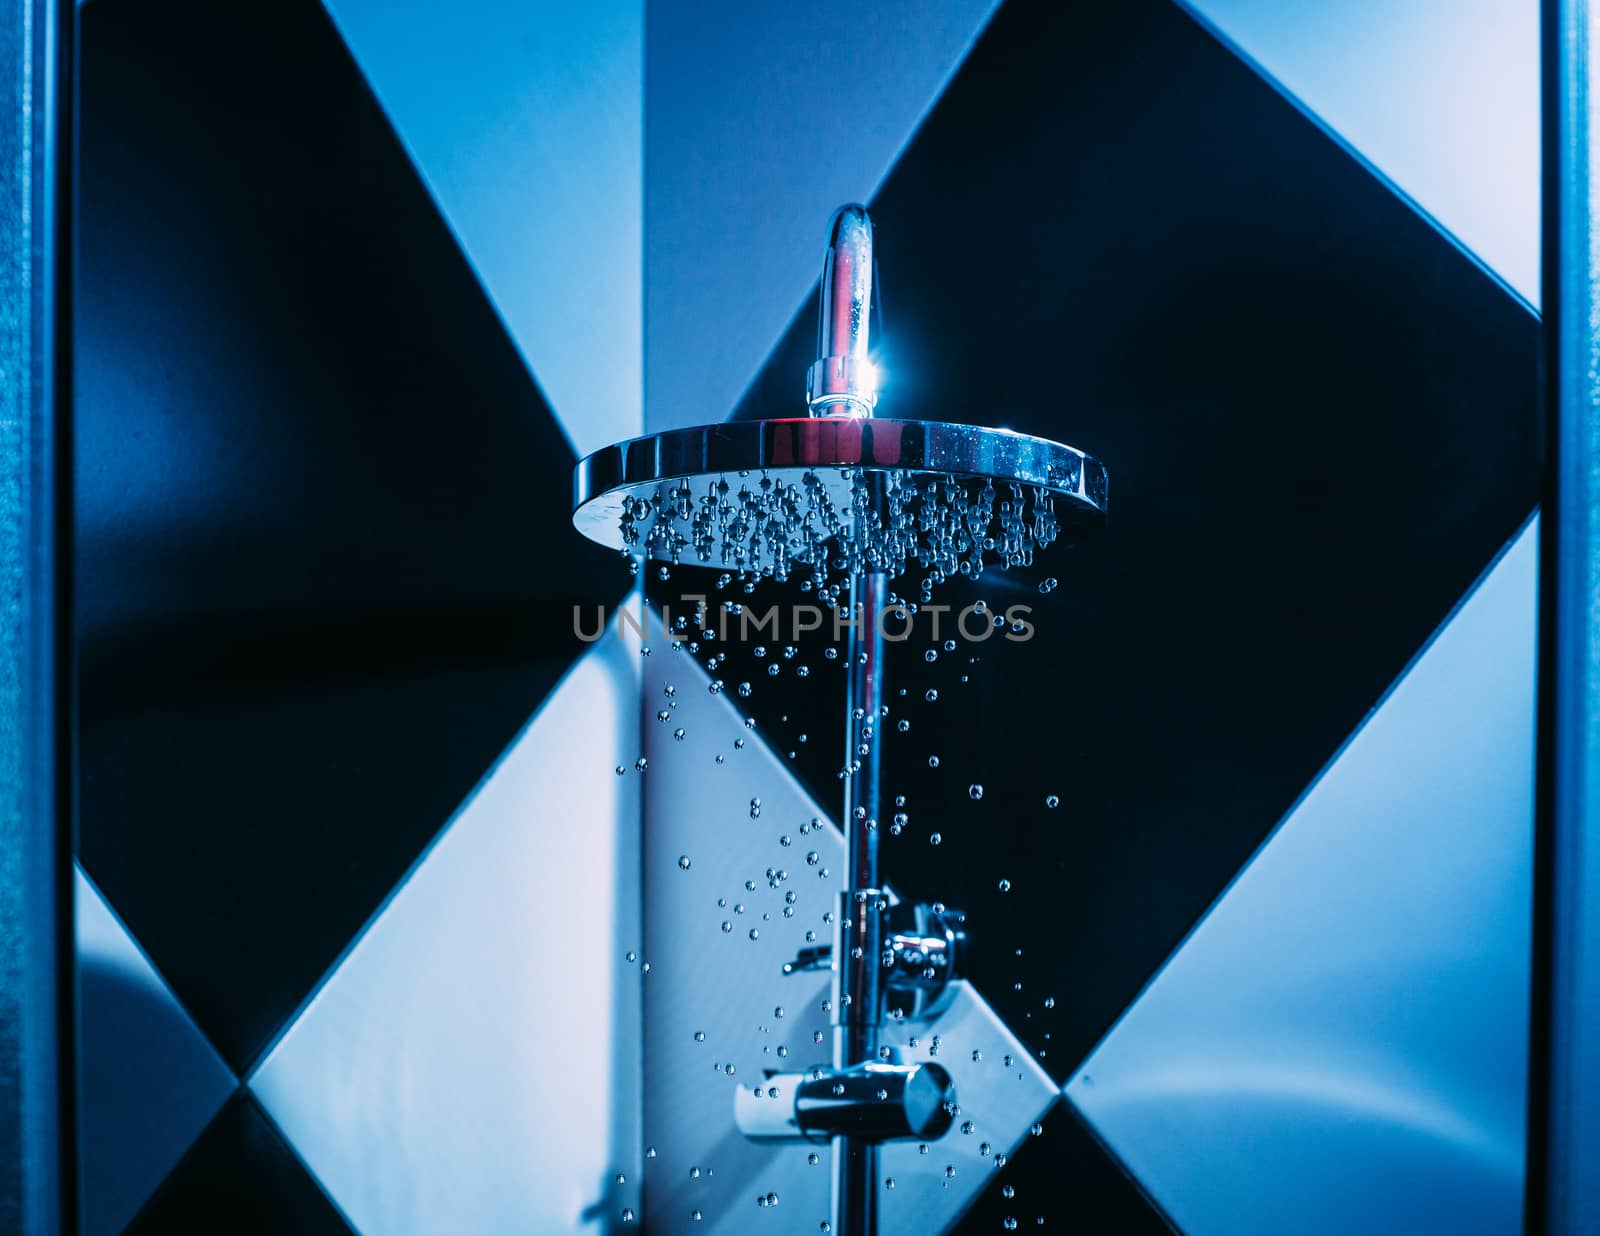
x: 472, y: 1064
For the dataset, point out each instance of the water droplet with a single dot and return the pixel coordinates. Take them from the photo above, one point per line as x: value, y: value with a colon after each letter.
x: 630, y: 956
x: 1051, y: 801
x: 888, y: 1182
x: 974, y: 792
x: 678, y: 734
x: 813, y: 1158
x: 1005, y: 886
x: 627, y: 1211
x: 931, y: 655
x: 949, y: 1170
x: 977, y: 1055
x: 967, y: 1127
x: 813, y: 858
x: 695, y: 1216
x: 905, y: 728
x: 755, y: 808
x: 934, y: 838
x: 932, y: 696
x: 755, y: 933
x: 641, y: 763
x: 683, y: 861
x: 1049, y: 1002
x: 694, y: 1173
x: 1011, y: 1223
x: 1008, y: 1191
x: 1037, y: 1129
x: 726, y: 926
x: 620, y: 770
x: 933, y: 761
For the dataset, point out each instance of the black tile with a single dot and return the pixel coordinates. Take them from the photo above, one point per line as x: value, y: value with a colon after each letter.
x: 239, y: 1177
x: 324, y: 545
x: 1319, y: 418
x: 1065, y: 1177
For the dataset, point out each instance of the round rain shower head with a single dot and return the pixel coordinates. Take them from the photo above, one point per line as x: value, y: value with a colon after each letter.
x: 839, y: 492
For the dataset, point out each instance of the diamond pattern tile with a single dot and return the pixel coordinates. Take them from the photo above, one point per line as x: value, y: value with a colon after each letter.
x: 240, y: 1177
x: 1355, y: 1005
x: 725, y: 983
x: 431, y: 1083
x: 150, y: 1082
x: 327, y: 417
x: 326, y: 572
x: 527, y: 124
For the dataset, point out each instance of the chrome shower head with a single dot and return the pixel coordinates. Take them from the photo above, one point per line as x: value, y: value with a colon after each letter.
x: 839, y: 492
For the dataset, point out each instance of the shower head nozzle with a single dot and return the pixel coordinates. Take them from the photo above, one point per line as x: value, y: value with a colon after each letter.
x: 839, y: 492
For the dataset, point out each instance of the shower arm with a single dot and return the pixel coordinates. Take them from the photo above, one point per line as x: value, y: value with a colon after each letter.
x: 843, y: 381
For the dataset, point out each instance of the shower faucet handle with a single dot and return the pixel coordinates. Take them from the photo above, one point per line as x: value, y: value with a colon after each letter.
x: 876, y: 1102
x: 812, y: 957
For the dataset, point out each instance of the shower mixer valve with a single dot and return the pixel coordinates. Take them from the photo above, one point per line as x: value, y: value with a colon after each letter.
x: 922, y: 950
